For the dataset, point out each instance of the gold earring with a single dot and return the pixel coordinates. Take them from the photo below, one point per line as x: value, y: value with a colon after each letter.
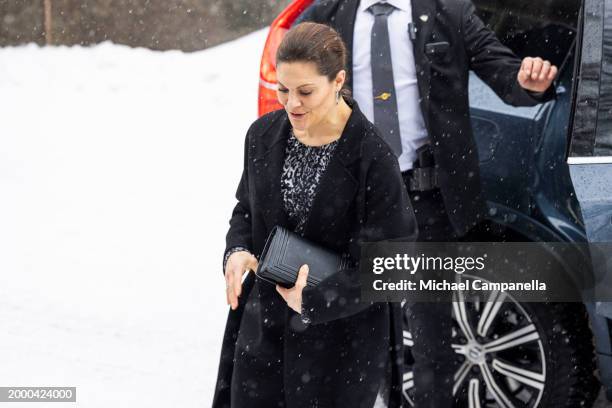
x: 337, y: 97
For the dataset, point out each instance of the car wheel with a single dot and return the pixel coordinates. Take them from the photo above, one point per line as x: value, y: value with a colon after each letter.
x: 512, y: 354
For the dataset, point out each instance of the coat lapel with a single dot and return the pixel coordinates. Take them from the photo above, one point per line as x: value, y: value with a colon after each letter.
x: 423, y: 17
x: 268, y: 167
x: 338, y: 185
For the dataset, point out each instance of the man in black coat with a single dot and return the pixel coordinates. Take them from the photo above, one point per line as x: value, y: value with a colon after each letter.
x: 448, y: 40
x: 432, y: 46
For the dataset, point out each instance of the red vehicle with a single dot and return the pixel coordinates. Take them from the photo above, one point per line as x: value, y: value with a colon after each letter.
x: 267, y: 72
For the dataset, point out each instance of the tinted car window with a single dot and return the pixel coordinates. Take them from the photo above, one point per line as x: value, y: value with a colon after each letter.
x: 533, y: 28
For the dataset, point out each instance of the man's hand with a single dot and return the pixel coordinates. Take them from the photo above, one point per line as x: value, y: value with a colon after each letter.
x: 293, y: 296
x: 536, y: 74
x: 237, y: 264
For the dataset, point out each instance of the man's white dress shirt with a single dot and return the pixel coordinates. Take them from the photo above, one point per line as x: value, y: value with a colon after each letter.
x: 412, y: 126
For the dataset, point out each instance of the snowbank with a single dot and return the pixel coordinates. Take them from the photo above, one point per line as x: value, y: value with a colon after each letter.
x: 117, y: 173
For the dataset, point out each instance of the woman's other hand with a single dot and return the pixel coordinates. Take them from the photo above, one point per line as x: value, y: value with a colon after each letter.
x: 293, y: 296
x: 237, y: 264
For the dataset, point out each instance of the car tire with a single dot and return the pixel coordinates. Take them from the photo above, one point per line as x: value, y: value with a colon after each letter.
x: 554, y: 366
x: 570, y: 354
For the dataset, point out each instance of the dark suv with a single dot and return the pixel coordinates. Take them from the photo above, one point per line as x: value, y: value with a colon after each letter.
x: 547, y: 175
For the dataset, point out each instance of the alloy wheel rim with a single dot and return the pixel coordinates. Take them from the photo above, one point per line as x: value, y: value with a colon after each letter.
x: 500, y: 353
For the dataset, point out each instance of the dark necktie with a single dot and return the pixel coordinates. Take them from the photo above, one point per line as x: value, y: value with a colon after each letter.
x: 383, y: 86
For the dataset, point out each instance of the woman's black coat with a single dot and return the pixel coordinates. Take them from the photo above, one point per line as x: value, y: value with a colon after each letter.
x: 337, y: 359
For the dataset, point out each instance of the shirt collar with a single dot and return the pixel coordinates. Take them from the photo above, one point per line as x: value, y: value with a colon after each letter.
x: 403, y: 5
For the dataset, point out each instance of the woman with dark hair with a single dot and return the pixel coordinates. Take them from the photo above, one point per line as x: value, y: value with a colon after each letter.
x: 318, y: 168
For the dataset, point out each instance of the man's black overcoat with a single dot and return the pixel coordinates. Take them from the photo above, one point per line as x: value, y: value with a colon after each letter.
x: 339, y: 358
x: 442, y: 76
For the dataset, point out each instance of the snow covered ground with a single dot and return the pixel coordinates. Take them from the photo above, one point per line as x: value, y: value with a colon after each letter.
x: 117, y: 173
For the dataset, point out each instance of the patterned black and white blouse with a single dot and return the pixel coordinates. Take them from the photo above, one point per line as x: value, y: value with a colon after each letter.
x: 304, y: 165
x: 302, y: 170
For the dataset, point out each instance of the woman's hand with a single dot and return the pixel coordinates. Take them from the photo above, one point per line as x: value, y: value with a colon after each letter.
x: 237, y: 264
x: 536, y: 74
x: 293, y: 296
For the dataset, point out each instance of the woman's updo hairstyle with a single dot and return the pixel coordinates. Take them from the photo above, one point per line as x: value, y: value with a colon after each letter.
x: 317, y: 43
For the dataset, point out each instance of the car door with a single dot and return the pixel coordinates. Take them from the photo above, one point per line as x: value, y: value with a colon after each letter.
x: 508, y: 138
x: 590, y: 157
x: 590, y: 148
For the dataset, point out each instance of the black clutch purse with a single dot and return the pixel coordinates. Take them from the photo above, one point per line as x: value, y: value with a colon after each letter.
x: 285, y: 252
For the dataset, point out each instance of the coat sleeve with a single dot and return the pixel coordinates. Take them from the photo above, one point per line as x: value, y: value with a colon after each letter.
x: 387, y: 214
x: 495, y: 63
x: 239, y: 233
